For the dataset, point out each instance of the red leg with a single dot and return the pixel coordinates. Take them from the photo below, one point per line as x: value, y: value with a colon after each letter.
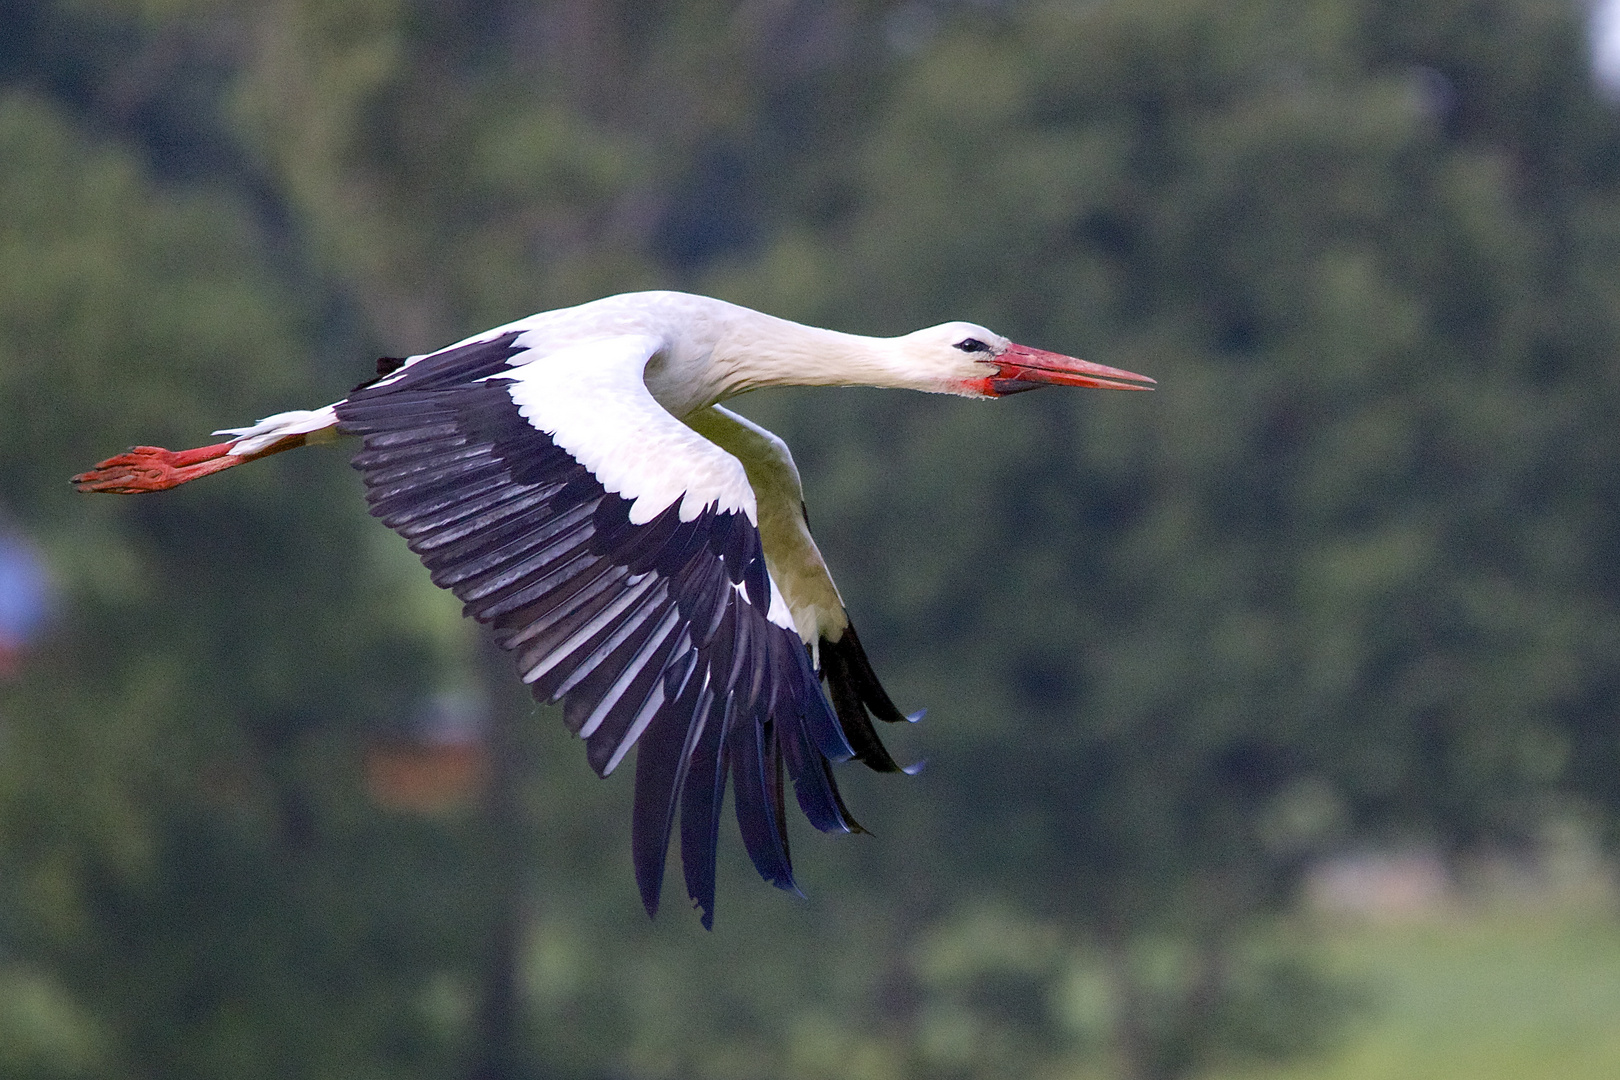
x: 152, y: 468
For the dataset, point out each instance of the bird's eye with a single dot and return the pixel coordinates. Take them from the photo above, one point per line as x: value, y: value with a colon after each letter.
x: 972, y: 344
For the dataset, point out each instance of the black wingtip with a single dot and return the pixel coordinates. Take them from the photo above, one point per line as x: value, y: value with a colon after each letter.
x: 756, y: 774
x: 848, y: 649
x: 857, y: 697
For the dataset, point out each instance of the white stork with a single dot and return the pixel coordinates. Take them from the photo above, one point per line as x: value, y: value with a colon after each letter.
x: 642, y: 551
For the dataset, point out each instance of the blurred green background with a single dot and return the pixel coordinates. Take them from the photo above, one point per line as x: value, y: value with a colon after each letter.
x: 1275, y: 716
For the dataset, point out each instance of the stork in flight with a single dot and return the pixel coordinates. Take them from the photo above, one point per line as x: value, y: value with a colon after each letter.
x: 642, y: 551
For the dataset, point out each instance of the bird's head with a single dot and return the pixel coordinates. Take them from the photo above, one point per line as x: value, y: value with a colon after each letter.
x: 976, y: 362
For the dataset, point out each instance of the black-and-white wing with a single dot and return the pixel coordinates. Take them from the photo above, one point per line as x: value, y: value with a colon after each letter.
x: 614, y: 552
x: 797, y: 568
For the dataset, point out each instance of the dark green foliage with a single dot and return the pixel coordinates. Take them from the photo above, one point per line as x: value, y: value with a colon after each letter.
x: 1348, y: 577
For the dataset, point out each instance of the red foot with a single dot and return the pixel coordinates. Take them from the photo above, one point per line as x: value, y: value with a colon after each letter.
x: 152, y: 468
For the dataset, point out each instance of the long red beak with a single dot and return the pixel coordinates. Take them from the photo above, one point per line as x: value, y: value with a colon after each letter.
x: 1023, y: 368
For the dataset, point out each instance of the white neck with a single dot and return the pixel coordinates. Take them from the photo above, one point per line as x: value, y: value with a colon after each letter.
x: 716, y: 350
x: 761, y: 351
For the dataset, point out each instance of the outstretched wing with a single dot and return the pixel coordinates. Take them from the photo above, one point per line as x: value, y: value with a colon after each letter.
x: 807, y: 587
x: 615, y: 552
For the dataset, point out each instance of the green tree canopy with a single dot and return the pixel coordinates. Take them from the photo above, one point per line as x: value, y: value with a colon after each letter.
x: 1347, y: 577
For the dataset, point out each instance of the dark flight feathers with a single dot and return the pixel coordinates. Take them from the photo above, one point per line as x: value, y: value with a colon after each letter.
x: 651, y: 634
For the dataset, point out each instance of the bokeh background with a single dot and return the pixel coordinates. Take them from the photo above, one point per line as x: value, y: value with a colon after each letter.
x: 1275, y: 716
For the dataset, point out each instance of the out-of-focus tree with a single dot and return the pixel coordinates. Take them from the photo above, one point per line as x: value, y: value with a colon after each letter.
x: 180, y: 856
x: 190, y: 859
x: 1341, y: 576
x: 1347, y: 576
